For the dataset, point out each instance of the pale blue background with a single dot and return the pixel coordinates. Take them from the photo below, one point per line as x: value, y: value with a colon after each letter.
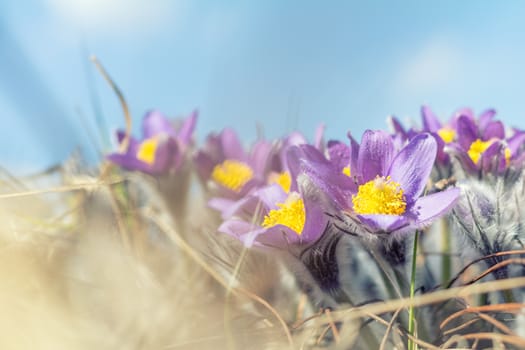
x: 288, y: 65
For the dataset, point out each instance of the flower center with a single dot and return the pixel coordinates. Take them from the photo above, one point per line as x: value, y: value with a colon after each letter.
x: 283, y: 179
x: 290, y: 214
x: 232, y: 174
x: 147, y: 150
x: 380, y: 196
x: 447, y: 134
x: 477, y: 148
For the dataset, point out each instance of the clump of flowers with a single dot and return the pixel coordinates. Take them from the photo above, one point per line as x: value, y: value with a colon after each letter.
x: 480, y: 146
x: 342, y: 215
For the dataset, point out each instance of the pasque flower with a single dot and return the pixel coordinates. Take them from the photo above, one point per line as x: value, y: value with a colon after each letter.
x: 273, y: 218
x: 230, y: 173
x: 295, y: 225
x: 223, y: 164
x: 384, y: 191
x: 161, y: 149
x: 482, y: 144
x: 444, y: 133
x: 274, y: 192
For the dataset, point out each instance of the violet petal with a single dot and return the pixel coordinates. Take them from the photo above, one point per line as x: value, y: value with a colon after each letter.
x: 466, y: 132
x: 515, y: 143
x: 432, y: 206
x: 187, y: 128
x: 155, y: 123
x: 339, y: 154
x: 430, y: 122
x: 375, y: 154
x: 319, y: 136
x: 412, y: 165
x: 379, y: 223
x: 260, y: 155
x: 485, y: 118
x: 232, y: 146
x: 271, y: 195
x: 493, y: 129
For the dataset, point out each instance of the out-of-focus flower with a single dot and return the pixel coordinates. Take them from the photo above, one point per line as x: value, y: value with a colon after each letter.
x: 161, y: 149
x: 482, y: 147
x: 480, y: 143
x: 384, y: 194
x: 444, y: 133
x: 230, y: 173
x: 224, y: 165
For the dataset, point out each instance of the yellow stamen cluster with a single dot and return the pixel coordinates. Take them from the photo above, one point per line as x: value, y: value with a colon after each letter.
x: 282, y: 179
x: 347, y: 171
x: 447, y: 134
x: 232, y: 174
x: 147, y: 150
x: 290, y: 214
x: 477, y: 148
x: 380, y: 196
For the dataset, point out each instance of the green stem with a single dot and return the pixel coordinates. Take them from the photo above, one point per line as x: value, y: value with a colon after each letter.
x: 446, y: 265
x: 411, y: 315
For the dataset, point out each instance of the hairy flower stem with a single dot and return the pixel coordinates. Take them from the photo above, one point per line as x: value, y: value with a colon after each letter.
x: 411, y: 315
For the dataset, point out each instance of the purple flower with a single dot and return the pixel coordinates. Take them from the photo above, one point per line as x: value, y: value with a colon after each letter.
x: 273, y: 218
x: 230, y: 172
x: 443, y: 133
x: 385, y: 193
x: 481, y: 144
x: 278, y: 213
x: 161, y: 149
x: 223, y: 164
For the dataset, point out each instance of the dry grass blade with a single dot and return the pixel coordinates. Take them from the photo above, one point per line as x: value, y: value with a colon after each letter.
x: 510, y: 339
x: 333, y: 326
x: 496, y: 267
x: 118, y: 218
x: 180, y: 242
x: 303, y: 300
x: 88, y: 186
x: 497, y: 324
x: 322, y: 335
x: 125, y: 142
x: 414, y: 339
x: 389, y: 328
x: 461, y: 326
x: 300, y: 323
x: 427, y: 299
x: 508, y: 307
x: 490, y: 256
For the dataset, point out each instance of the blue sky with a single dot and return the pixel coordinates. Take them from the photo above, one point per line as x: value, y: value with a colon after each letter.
x: 284, y: 65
